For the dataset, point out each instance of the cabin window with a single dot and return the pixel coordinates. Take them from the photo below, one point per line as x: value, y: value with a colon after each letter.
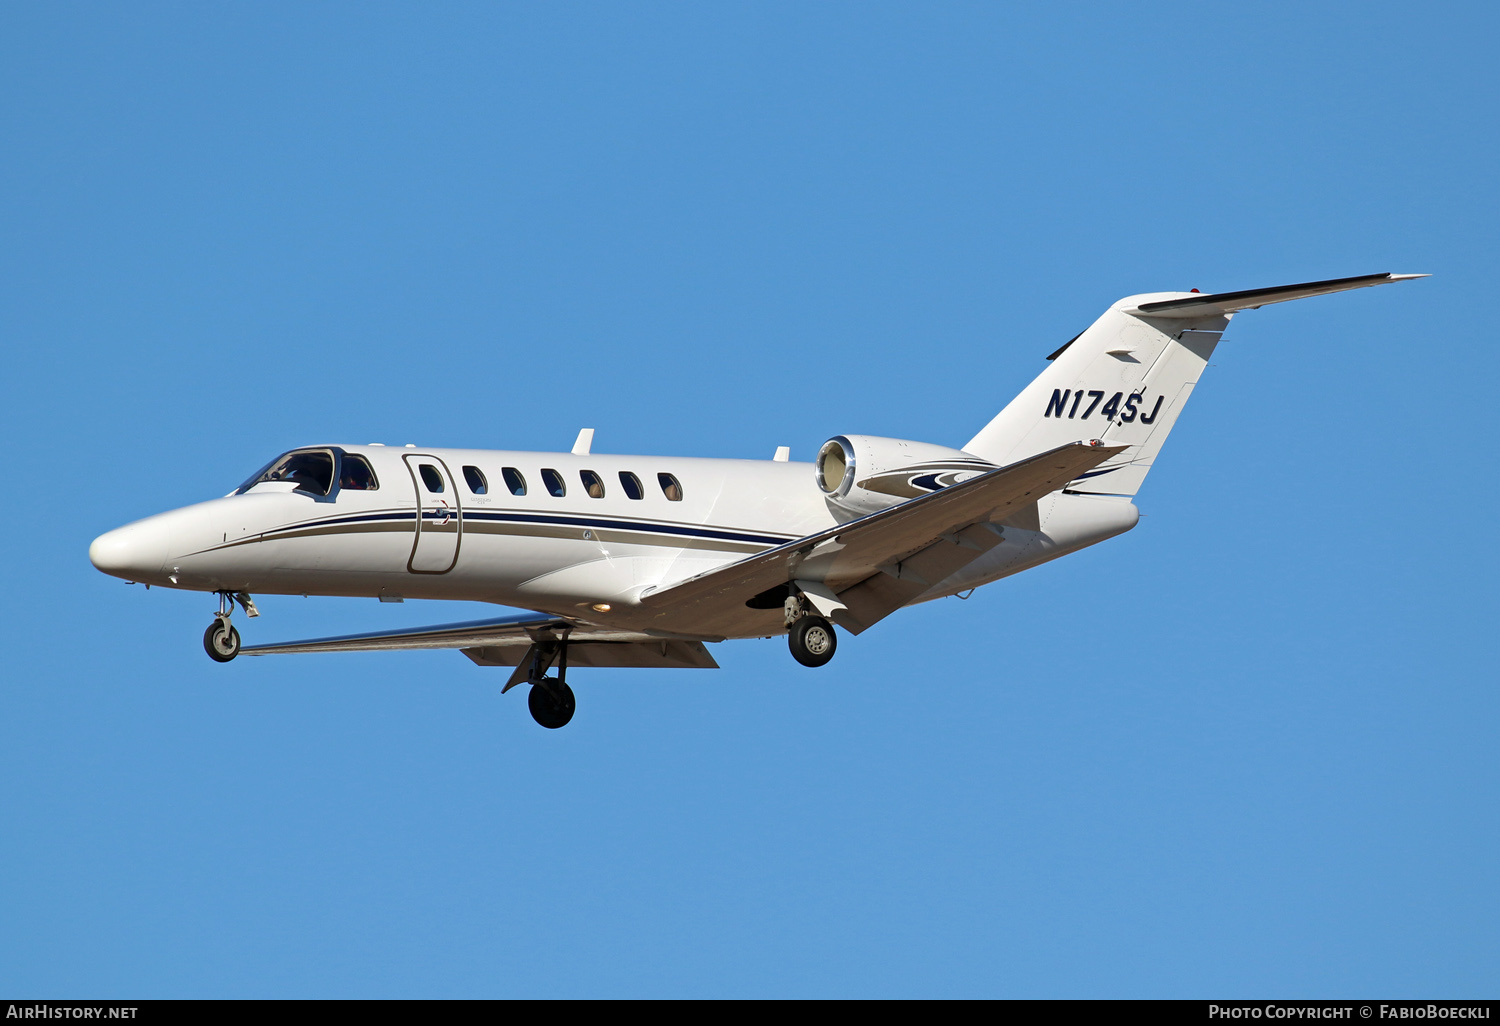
x: 592, y: 483
x: 310, y: 471
x: 475, y: 478
x: 513, y: 480
x: 632, y: 485
x: 431, y: 478
x: 670, y: 487
x: 356, y: 474
x: 554, y: 482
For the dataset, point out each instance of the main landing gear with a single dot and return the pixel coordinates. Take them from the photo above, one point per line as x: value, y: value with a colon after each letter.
x: 809, y: 636
x: 221, y: 641
x: 551, y: 701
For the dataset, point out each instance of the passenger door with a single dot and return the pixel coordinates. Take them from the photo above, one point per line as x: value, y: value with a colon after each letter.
x: 439, y: 516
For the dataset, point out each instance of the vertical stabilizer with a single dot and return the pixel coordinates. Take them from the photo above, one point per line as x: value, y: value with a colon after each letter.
x: 1126, y: 379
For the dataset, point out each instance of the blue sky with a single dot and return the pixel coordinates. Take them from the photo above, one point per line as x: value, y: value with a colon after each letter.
x: 1247, y: 749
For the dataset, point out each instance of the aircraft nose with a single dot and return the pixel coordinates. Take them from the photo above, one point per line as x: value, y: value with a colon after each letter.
x: 135, y: 552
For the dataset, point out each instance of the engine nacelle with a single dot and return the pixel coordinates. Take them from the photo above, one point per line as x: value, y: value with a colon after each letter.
x: 862, y: 474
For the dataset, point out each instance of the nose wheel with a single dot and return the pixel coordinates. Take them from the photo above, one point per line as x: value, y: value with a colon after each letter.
x: 221, y: 641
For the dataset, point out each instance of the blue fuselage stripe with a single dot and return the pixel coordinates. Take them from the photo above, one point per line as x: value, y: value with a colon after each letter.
x: 569, y: 521
x: 627, y: 525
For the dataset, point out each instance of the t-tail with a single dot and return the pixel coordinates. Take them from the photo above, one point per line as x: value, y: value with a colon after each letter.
x: 1127, y: 377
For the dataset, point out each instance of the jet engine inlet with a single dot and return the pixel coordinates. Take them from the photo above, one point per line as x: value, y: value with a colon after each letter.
x: 835, y: 466
x: 861, y: 474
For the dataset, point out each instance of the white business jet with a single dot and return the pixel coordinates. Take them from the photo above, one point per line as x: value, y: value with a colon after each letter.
x: 641, y: 560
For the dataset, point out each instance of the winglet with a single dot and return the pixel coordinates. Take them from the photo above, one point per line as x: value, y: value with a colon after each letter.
x: 1230, y: 302
x: 585, y: 442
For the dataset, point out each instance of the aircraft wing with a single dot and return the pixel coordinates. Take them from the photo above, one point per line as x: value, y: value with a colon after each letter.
x: 507, y: 640
x: 859, y: 572
x: 516, y: 629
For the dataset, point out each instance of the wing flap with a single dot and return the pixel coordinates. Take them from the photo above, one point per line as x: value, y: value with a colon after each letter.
x: 881, y: 594
x: 657, y: 654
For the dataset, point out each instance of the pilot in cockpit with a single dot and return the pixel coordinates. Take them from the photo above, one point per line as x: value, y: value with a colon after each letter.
x: 355, y: 474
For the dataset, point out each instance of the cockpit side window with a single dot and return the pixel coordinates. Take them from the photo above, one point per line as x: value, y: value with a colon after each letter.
x: 356, y: 474
x: 311, y: 470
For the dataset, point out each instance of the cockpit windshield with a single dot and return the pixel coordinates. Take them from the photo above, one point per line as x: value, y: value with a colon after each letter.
x: 310, y: 469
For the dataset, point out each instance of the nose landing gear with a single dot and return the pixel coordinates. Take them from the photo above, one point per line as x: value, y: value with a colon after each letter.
x: 221, y: 641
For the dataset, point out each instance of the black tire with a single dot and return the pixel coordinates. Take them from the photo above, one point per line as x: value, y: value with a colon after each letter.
x: 812, y: 641
x: 221, y: 645
x: 551, y: 704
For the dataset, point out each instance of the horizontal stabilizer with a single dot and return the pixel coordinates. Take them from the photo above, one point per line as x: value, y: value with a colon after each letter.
x: 1229, y: 302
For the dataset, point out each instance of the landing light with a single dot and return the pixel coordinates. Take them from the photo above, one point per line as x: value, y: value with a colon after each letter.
x: 600, y: 607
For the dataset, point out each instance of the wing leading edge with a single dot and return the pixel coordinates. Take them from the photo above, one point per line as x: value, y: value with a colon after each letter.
x: 517, y: 629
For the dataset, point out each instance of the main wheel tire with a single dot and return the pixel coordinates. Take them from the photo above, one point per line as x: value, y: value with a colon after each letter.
x: 551, y: 704
x: 812, y: 641
x: 221, y: 641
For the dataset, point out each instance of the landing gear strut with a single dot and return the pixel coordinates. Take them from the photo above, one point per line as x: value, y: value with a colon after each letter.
x: 551, y: 700
x: 221, y: 641
x: 809, y: 636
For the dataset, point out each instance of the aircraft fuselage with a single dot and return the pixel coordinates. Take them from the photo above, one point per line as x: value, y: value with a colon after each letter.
x: 487, y: 526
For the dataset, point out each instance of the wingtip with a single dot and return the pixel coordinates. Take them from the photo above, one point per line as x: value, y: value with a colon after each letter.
x: 1408, y: 277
